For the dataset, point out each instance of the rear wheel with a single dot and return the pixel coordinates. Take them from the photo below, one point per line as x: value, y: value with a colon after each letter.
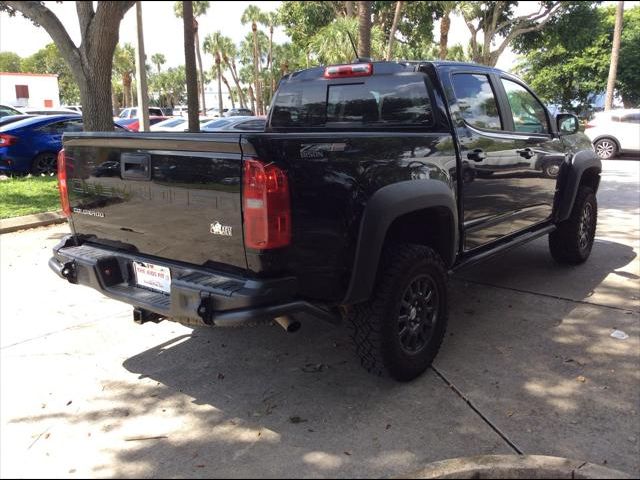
x: 606, y: 148
x: 45, y: 164
x: 572, y: 241
x: 400, y: 329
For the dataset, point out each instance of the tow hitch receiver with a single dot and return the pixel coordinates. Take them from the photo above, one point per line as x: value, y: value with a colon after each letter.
x: 140, y: 316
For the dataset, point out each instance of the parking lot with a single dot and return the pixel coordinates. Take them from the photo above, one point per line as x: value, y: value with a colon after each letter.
x: 528, y: 366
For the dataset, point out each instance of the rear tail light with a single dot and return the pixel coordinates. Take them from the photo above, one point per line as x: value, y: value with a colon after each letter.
x: 266, y: 205
x: 589, y: 125
x: 62, y: 184
x: 7, y: 140
x: 346, y: 71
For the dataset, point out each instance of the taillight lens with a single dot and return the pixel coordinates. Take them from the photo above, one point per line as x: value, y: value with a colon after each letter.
x: 7, y: 140
x: 266, y: 205
x: 346, y: 71
x: 589, y: 125
x: 62, y: 184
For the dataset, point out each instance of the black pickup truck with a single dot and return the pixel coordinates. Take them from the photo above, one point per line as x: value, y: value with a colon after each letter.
x: 370, y: 184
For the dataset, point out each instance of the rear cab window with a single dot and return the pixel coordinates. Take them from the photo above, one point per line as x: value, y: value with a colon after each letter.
x: 377, y: 101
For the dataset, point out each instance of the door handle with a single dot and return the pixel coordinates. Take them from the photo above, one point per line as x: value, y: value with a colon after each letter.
x: 477, y: 155
x: 526, y: 153
x: 135, y: 166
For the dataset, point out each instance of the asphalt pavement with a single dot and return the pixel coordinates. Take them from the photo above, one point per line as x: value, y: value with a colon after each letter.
x: 528, y: 366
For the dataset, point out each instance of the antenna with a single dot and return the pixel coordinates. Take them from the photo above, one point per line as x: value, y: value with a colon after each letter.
x: 355, y: 50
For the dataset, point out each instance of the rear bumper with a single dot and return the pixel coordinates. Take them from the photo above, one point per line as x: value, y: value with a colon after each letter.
x: 196, y: 296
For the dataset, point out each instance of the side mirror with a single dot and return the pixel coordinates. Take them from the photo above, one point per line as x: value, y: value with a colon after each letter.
x: 567, y: 124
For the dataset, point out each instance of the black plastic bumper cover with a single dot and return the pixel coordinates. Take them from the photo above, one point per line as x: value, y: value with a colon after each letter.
x: 196, y: 294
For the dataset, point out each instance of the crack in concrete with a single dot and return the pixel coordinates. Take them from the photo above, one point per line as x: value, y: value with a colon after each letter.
x: 482, y: 416
x: 555, y: 297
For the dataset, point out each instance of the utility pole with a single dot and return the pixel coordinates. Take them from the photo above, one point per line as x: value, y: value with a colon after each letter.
x: 141, y: 74
x: 615, y: 53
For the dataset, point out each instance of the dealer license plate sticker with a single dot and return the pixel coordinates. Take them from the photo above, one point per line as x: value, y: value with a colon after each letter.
x: 153, y: 276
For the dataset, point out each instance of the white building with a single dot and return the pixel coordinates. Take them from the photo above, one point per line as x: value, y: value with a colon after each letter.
x: 33, y: 90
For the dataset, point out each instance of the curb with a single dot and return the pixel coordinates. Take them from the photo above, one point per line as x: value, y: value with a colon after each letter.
x: 515, y: 466
x: 31, y: 221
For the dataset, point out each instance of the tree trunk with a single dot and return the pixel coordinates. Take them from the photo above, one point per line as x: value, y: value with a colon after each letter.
x: 394, y: 27
x: 226, y: 82
x: 445, y: 25
x: 95, y: 97
x: 615, y: 53
x: 364, y: 29
x: 253, y: 100
x: 220, y: 106
x: 349, y: 8
x: 196, y: 39
x: 234, y: 75
x: 256, y: 68
x: 191, y: 71
x: 270, y: 59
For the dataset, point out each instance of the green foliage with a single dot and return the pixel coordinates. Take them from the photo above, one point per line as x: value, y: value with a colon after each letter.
x: 302, y: 20
x: 49, y: 60
x: 569, y: 60
x: 158, y: 60
x: 170, y: 85
x: 199, y: 9
x: 331, y: 44
x: 10, y: 62
x: 27, y: 195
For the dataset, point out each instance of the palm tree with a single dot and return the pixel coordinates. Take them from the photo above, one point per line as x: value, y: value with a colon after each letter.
x: 272, y: 21
x: 254, y: 15
x: 615, y: 53
x: 394, y: 27
x: 445, y: 24
x: 199, y: 8
x: 229, y: 54
x: 364, y: 29
x: 158, y: 60
x: 212, y: 45
x: 124, y: 64
x: 331, y: 44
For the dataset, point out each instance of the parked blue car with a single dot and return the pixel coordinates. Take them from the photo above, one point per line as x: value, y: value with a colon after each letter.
x: 32, y: 145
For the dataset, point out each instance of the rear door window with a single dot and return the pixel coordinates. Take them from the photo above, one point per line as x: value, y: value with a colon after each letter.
x: 477, y: 100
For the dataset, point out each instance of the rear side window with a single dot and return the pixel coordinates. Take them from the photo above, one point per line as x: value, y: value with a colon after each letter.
x: 476, y: 100
x: 377, y: 102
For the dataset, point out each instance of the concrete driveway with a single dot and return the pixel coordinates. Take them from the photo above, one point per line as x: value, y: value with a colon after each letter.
x: 529, y: 365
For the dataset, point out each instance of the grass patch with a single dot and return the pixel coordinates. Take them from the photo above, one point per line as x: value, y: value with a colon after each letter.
x: 27, y: 195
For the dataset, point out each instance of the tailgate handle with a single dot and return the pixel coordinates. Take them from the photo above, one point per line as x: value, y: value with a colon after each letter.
x: 135, y: 166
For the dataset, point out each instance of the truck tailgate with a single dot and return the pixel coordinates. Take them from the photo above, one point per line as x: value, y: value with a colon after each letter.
x: 174, y: 196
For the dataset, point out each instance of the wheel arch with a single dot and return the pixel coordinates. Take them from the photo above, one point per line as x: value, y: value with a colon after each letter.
x: 396, y: 213
x: 585, y: 170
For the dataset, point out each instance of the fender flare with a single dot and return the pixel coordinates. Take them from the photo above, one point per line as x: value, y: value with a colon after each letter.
x: 581, y: 162
x: 385, y: 206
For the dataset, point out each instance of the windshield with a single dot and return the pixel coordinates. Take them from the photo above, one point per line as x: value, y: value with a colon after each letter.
x: 216, y: 124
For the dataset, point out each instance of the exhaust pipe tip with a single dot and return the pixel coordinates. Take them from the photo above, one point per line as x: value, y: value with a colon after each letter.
x: 288, y: 324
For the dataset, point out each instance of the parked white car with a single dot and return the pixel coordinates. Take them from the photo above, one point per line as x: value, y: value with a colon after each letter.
x: 168, y: 124
x: 614, y: 131
x: 133, y: 113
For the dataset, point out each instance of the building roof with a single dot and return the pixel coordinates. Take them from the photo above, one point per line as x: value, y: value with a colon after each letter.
x: 23, y: 74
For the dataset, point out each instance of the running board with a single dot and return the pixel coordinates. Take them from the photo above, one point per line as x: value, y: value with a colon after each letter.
x: 503, y: 247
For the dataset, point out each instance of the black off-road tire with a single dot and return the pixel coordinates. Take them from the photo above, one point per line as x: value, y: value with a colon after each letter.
x: 376, y: 324
x: 572, y: 241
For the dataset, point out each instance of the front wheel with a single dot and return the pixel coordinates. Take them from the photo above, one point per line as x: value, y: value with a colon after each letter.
x: 400, y: 329
x: 572, y: 241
